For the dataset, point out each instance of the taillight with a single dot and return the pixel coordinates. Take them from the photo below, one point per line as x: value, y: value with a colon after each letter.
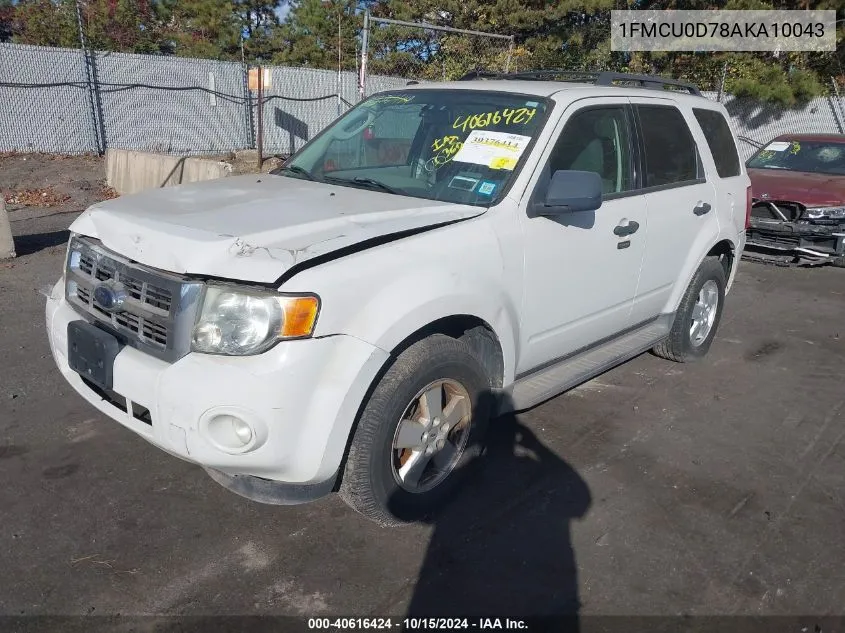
x: 748, y: 207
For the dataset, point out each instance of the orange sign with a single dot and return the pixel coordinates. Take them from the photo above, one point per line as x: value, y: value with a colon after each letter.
x: 253, y: 79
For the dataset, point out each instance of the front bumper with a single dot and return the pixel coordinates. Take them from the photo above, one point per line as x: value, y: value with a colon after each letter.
x: 796, y: 240
x: 301, y: 398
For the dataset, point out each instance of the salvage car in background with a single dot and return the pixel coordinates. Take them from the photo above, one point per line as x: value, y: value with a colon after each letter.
x: 798, y: 190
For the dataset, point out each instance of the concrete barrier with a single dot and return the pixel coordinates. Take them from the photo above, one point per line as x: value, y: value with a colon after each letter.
x: 7, y: 243
x: 129, y: 172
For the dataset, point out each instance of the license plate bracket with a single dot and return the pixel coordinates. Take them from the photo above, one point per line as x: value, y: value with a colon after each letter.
x: 91, y: 352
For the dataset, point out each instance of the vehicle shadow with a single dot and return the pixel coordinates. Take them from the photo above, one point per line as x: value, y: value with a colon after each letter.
x: 503, y: 547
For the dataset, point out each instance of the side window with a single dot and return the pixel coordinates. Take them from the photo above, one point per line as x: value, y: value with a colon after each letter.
x: 671, y: 156
x: 720, y: 140
x: 598, y: 140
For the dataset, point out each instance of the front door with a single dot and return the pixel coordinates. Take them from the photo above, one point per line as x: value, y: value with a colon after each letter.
x: 580, y: 276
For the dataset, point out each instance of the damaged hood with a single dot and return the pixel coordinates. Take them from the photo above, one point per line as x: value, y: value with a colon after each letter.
x: 253, y: 228
x: 810, y: 189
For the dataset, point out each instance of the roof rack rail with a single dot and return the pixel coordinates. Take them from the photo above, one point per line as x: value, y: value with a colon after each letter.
x: 603, y: 78
x: 646, y: 81
x: 538, y: 75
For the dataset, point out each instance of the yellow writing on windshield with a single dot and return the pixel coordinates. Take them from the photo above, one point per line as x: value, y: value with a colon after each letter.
x: 510, y: 116
x: 444, y: 149
x: 388, y: 99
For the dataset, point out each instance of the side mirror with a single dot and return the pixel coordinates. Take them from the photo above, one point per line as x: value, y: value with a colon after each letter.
x: 570, y: 192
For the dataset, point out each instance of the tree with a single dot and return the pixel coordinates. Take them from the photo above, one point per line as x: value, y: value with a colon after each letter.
x: 112, y: 25
x: 788, y: 79
x: 202, y: 28
x: 7, y: 16
x: 309, y: 36
x: 565, y: 34
x: 198, y: 28
x: 257, y: 21
x: 130, y: 26
x: 46, y: 23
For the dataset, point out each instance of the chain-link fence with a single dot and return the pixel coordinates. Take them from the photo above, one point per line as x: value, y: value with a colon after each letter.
x: 45, y: 101
x: 55, y: 100
x: 420, y: 51
x: 757, y: 123
x: 63, y: 101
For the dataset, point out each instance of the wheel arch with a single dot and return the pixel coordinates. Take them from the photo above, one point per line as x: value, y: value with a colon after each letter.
x: 474, y: 331
x: 477, y: 333
x: 725, y: 250
x: 722, y: 247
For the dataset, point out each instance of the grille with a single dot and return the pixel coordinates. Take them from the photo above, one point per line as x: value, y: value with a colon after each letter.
x: 144, y: 292
x: 158, y: 308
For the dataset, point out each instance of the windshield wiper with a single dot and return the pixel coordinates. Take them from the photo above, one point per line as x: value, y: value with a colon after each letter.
x: 296, y: 169
x: 366, y: 182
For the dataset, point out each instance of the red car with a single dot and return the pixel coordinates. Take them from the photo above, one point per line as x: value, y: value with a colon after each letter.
x: 798, y: 193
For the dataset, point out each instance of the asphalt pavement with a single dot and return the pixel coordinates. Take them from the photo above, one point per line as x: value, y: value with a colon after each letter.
x: 657, y: 489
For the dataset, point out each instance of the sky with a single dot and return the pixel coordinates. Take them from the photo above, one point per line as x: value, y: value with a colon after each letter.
x: 283, y: 10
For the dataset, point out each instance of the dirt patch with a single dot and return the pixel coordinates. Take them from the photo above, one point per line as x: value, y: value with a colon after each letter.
x: 60, y: 183
x: 44, y: 198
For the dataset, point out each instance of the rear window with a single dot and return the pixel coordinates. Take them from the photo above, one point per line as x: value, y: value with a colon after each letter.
x: 670, y: 152
x: 720, y: 140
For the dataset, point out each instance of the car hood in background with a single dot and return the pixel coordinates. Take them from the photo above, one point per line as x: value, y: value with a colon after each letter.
x: 254, y: 228
x: 810, y: 189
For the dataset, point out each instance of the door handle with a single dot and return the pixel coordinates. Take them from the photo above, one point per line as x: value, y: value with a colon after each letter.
x: 626, y: 229
x: 703, y: 208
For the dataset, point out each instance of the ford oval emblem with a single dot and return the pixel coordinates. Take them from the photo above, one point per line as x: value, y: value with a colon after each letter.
x: 110, y: 296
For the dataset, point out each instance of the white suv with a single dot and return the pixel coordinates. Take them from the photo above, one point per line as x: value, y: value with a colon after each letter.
x: 437, y: 255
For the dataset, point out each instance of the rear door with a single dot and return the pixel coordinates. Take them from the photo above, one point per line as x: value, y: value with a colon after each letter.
x: 680, y: 200
x: 724, y: 161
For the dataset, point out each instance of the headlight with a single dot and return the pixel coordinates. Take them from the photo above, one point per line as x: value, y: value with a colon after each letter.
x: 238, y: 322
x: 835, y: 213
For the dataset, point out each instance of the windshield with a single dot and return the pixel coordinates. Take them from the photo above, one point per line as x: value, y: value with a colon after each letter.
x: 823, y: 157
x: 462, y: 146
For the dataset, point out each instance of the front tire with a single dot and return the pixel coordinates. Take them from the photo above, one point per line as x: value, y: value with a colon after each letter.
x: 698, y: 315
x: 418, y: 432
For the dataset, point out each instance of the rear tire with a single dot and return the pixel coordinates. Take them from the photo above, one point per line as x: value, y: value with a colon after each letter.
x: 418, y: 433
x: 698, y: 315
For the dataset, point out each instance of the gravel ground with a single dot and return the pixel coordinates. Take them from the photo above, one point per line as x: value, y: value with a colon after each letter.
x: 656, y: 489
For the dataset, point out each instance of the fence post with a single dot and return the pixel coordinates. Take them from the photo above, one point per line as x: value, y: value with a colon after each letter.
x: 510, y: 56
x: 250, y: 123
x: 260, y: 117
x: 93, y: 99
x: 722, y: 83
x: 836, y: 105
x: 365, y: 42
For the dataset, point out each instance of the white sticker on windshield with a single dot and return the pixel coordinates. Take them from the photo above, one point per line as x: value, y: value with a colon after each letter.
x: 779, y: 146
x: 496, y: 150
